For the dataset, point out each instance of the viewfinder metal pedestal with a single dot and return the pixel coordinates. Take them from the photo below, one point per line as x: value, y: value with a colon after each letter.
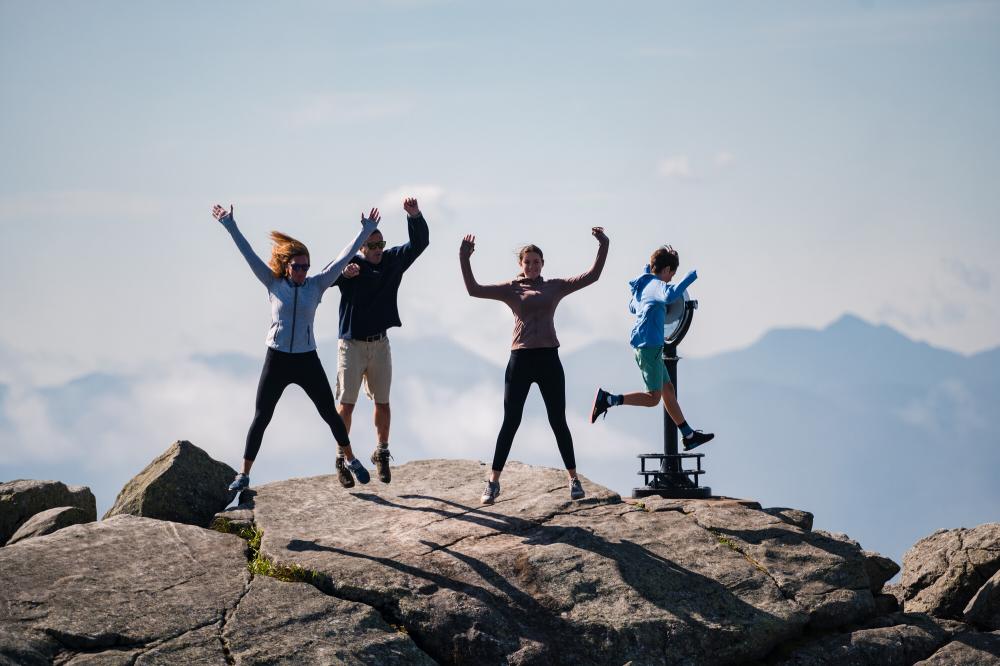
x: 667, y: 475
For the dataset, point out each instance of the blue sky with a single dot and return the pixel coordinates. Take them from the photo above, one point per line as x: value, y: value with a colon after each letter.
x: 809, y: 159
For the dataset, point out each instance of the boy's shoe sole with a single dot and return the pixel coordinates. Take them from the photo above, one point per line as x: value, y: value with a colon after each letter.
x: 380, y: 458
x: 343, y: 475
x: 601, y: 405
x: 697, y: 440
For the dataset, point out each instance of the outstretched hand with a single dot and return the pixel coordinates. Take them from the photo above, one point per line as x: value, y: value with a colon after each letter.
x: 599, y: 234
x: 220, y: 213
x: 351, y: 270
x: 410, y: 206
x: 468, y: 246
x: 373, y: 216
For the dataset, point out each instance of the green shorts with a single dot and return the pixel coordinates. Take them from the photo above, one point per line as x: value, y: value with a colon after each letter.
x: 650, y: 362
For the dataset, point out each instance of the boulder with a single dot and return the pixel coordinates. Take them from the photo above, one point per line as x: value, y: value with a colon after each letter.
x: 942, y: 572
x: 984, y: 607
x: 801, y: 519
x: 538, y: 578
x: 47, y: 522
x: 122, y: 586
x: 823, y: 573
x: 886, y: 604
x: 294, y: 623
x: 22, y: 499
x: 969, y: 649
x: 895, y: 639
x: 234, y: 520
x: 896, y: 590
x: 879, y: 569
x: 418, y: 571
x: 183, y: 485
x: 132, y: 590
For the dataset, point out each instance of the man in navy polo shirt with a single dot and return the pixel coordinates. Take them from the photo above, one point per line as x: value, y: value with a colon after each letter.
x: 368, y: 289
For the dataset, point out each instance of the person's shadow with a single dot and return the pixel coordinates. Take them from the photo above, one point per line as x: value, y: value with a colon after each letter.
x: 507, y: 616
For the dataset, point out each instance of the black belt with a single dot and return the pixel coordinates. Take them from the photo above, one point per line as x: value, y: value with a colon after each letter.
x: 372, y: 338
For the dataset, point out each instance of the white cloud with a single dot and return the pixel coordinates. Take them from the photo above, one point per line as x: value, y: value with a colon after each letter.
x: 680, y: 166
x: 20, y: 367
x: 945, y: 408
x: 110, y: 426
x: 928, y: 315
x: 452, y: 421
x: 724, y: 159
x: 675, y: 167
x: 970, y: 276
x: 429, y: 198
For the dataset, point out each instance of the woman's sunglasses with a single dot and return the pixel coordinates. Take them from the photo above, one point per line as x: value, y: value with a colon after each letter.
x: 299, y: 267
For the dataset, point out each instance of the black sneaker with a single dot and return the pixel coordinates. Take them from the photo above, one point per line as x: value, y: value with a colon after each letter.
x: 491, y: 492
x: 381, y: 458
x: 601, y: 405
x: 576, y: 490
x: 343, y: 475
x: 696, y: 439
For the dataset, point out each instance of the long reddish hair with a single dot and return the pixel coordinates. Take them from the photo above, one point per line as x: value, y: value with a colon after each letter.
x: 283, y: 249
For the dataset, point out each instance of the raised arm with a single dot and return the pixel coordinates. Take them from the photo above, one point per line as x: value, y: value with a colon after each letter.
x: 671, y: 292
x: 590, y: 277
x: 497, y: 292
x: 331, y: 271
x: 416, y: 227
x: 257, y: 265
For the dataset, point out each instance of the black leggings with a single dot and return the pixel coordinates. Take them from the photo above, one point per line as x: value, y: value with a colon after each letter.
x: 527, y: 366
x: 280, y: 370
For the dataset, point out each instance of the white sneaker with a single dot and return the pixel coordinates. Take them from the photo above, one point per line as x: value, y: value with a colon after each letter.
x: 491, y: 492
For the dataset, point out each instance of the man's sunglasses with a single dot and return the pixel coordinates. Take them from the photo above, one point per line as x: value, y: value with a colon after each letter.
x: 300, y: 267
x: 375, y: 245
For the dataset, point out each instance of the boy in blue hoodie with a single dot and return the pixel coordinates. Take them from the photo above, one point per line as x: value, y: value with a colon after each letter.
x: 651, y: 292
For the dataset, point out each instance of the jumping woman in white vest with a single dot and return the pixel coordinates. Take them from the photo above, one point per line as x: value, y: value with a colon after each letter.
x: 291, y: 355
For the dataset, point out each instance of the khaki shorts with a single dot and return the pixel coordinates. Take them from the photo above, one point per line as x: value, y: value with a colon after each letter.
x: 370, y: 362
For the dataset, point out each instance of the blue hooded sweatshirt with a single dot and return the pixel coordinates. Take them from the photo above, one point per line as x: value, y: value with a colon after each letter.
x: 650, y: 296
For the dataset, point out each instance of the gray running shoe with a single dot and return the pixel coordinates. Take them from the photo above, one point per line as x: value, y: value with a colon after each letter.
x: 576, y: 490
x: 241, y: 482
x: 343, y: 475
x: 491, y: 492
x: 360, y: 473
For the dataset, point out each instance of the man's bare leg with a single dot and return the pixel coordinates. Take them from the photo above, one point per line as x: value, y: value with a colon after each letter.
x: 383, y: 414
